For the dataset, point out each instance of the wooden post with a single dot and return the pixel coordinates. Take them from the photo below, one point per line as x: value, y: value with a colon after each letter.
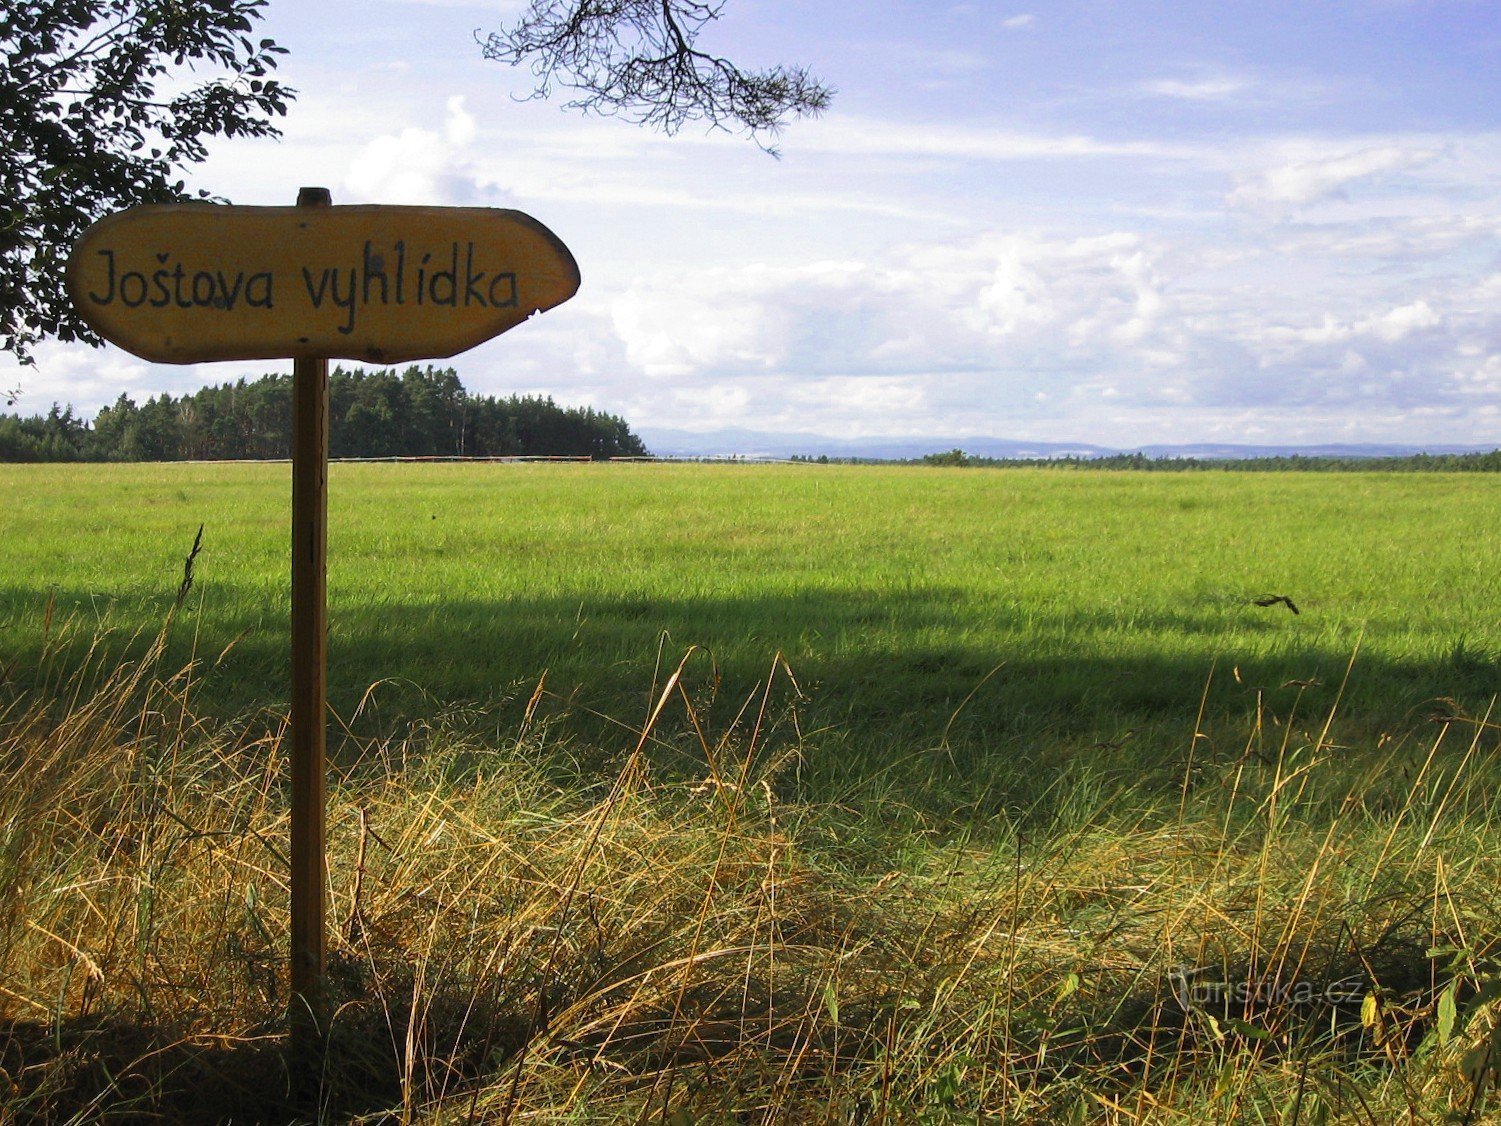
x: 309, y: 686
x: 513, y: 267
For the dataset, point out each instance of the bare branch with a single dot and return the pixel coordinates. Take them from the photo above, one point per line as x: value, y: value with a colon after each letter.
x: 638, y: 59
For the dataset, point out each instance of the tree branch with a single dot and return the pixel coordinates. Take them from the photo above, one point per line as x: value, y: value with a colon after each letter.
x: 638, y: 59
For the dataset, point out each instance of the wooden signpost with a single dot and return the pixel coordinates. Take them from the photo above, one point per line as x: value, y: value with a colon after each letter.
x: 186, y: 283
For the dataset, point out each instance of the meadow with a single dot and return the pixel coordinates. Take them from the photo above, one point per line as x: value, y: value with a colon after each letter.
x: 810, y: 792
x: 1044, y: 609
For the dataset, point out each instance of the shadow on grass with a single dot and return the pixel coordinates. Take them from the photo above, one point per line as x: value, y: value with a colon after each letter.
x: 84, y: 1069
x: 882, y: 668
x: 913, y: 653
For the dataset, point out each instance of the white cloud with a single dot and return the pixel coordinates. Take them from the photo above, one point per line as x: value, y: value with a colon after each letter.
x: 1123, y: 337
x: 418, y: 166
x: 507, y: 7
x: 88, y: 378
x: 1392, y: 241
x: 1025, y: 19
x: 1401, y: 322
x: 1204, y: 90
x: 1008, y: 302
x: 1389, y: 327
x: 1298, y: 183
x: 854, y: 136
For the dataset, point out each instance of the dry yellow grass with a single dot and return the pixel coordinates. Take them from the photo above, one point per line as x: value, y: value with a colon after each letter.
x: 514, y: 942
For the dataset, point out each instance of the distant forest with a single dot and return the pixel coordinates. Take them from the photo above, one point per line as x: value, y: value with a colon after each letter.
x: 420, y: 412
x: 1292, y: 463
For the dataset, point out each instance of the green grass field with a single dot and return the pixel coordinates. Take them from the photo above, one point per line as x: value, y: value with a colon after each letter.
x: 963, y: 768
x: 1046, y: 609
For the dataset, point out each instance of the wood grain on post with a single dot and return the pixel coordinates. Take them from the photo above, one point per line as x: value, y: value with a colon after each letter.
x: 309, y: 680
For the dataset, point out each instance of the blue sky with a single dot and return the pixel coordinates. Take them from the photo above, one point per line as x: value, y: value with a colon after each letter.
x: 1117, y: 222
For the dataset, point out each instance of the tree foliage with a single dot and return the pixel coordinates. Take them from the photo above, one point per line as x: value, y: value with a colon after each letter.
x: 954, y: 457
x: 639, y: 59
x: 420, y: 412
x: 98, y: 112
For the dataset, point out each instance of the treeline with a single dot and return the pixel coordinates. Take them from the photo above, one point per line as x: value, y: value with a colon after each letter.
x: 1291, y: 463
x: 420, y: 412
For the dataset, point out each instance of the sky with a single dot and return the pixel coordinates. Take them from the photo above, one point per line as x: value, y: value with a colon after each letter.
x: 1120, y: 222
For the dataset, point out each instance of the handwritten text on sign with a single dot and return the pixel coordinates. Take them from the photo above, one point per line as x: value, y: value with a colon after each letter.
x: 188, y: 283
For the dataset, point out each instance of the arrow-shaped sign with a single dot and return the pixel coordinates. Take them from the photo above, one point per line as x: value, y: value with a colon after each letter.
x: 186, y: 283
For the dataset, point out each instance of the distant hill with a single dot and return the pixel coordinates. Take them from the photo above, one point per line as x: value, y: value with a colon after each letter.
x: 758, y: 443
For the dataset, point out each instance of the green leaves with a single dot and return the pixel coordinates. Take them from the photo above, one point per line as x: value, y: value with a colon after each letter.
x: 1448, y: 1013
x: 831, y: 1000
x: 86, y: 132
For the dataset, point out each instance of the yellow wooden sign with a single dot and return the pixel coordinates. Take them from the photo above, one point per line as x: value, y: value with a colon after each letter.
x: 186, y: 283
